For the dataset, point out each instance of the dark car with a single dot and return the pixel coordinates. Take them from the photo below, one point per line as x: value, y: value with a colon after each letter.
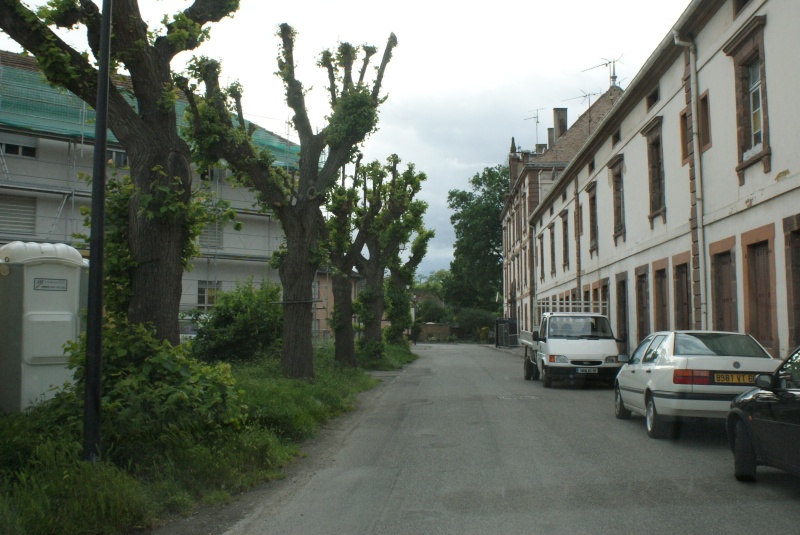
x: 763, y: 424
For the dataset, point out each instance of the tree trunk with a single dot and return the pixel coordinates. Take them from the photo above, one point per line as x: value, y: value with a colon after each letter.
x: 344, y: 342
x: 375, y: 301
x: 297, y: 270
x: 157, y: 243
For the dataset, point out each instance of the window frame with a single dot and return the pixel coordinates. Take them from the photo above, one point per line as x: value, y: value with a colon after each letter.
x: 591, y: 191
x: 652, y: 133
x: 745, y: 48
x: 615, y: 168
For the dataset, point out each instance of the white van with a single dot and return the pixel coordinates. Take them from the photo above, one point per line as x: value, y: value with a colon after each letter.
x: 572, y: 345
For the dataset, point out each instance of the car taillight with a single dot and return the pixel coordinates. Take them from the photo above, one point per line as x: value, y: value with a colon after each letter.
x: 691, y: 377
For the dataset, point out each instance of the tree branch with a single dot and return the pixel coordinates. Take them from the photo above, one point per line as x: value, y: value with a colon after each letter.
x: 295, y: 95
x: 387, y: 55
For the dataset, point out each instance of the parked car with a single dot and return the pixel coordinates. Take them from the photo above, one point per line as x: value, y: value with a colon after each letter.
x: 687, y: 374
x: 763, y: 424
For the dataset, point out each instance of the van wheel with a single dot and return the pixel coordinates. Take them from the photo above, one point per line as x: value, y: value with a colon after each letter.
x: 527, y: 368
x: 546, y: 379
x: 744, y: 456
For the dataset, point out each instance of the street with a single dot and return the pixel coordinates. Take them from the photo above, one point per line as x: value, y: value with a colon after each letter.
x: 458, y: 442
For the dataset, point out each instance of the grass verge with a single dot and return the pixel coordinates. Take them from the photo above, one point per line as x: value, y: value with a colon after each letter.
x: 46, y: 489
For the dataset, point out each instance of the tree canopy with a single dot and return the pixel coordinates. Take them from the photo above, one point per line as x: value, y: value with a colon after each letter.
x: 476, y: 272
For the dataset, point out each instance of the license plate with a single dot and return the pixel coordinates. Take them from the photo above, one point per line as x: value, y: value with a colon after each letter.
x: 734, y: 378
x: 586, y: 370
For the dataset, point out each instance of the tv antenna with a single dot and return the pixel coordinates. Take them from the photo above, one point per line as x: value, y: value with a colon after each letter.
x: 612, y: 68
x: 535, y: 117
x: 586, y: 96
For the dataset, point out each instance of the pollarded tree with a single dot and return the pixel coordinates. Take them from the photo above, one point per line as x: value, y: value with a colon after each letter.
x: 477, y: 267
x: 347, y: 227
x: 295, y: 198
x: 401, y: 278
x: 160, y: 232
x: 400, y: 217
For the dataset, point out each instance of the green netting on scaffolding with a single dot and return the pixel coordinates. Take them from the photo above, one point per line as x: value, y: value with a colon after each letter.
x: 29, y: 103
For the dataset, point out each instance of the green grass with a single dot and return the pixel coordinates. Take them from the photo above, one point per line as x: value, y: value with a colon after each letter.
x: 46, y: 489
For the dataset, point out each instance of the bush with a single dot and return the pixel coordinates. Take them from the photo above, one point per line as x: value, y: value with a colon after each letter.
x: 154, y: 395
x: 431, y: 311
x: 472, y: 320
x: 242, y: 324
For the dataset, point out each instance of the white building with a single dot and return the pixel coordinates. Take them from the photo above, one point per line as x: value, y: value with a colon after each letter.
x: 46, y: 149
x: 683, y: 205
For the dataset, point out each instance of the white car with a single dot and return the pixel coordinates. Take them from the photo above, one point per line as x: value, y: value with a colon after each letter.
x: 687, y: 374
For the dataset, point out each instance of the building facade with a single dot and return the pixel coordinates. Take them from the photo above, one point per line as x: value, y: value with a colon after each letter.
x: 46, y: 151
x: 532, y: 175
x: 685, y: 198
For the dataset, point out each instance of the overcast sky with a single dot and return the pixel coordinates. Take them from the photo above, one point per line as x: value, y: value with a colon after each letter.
x: 463, y: 80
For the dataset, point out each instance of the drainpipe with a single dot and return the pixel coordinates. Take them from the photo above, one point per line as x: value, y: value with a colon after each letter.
x: 698, y: 173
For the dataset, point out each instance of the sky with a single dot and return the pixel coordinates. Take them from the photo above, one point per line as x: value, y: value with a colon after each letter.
x: 463, y: 80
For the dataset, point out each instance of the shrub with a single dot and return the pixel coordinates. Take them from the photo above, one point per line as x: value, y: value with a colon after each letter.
x: 241, y: 325
x: 154, y: 395
x: 473, y: 320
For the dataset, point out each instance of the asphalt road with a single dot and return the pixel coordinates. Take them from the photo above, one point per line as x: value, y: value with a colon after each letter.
x: 459, y: 443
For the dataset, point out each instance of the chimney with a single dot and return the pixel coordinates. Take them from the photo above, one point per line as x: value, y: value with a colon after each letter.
x: 550, y: 137
x: 541, y: 147
x: 559, y: 121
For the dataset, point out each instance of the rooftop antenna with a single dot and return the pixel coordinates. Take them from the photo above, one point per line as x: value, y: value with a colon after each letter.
x: 535, y: 117
x: 586, y: 96
x: 612, y: 68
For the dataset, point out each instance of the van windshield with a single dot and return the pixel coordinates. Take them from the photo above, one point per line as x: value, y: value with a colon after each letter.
x: 579, y: 327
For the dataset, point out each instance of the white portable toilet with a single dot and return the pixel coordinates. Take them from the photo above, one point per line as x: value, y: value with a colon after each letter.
x: 42, y: 292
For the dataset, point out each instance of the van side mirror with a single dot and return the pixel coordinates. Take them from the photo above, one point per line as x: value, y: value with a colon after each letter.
x: 535, y: 336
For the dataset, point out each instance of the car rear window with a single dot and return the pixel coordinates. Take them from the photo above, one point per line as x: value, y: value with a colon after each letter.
x: 718, y: 345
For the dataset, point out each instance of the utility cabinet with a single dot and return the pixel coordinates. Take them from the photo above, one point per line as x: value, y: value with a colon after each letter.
x: 43, y: 290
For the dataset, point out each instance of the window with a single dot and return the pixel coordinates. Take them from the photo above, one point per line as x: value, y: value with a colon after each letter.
x: 19, y: 150
x: 565, y: 239
x: 17, y: 215
x: 579, y: 219
x: 642, y: 303
x: 211, y: 236
x: 758, y: 267
x: 661, y: 299
x: 683, y: 312
x: 704, y: 123
x: 591, y: 167
x: 791, y: 229
x: 207, y: 293
x: 655, y: 170
x: 552, y: 249
x: 703, y: 126
x: 738, y: 6
x: 18, y: 145
x: 746, y: 48
x: 591, y: 189
x: 622, y: 307
x: 759, y: 296
x: 616, y: 137
x: 541, y: 256
x: 116, y: 158
x: 652, y: 98
x: 615, y: 168
x: 723, y: 284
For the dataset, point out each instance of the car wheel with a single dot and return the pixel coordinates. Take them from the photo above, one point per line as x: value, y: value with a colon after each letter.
x: 546, y: 379
x: 527, y: 371
x: 744, y: 456
x: 620, y: 411
x: 657, y: 427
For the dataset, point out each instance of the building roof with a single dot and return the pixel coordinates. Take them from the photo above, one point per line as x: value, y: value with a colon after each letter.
x: 567, y: 146
x: 29, y: 103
